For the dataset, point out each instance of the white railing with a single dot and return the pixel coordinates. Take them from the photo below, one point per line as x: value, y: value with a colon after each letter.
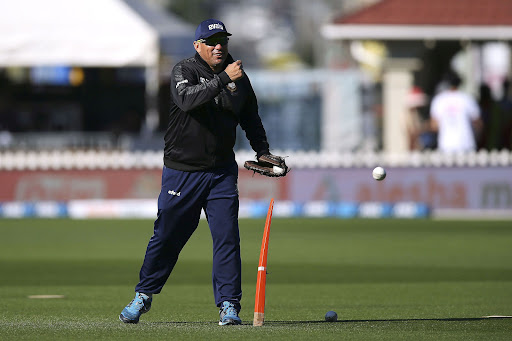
x: 112, y: 159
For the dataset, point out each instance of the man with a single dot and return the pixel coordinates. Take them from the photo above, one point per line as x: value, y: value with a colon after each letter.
x: 456, y: 117
x: 210, y: 95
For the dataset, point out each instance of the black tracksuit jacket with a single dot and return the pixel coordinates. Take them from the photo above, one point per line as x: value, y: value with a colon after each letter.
x: 205, y: 111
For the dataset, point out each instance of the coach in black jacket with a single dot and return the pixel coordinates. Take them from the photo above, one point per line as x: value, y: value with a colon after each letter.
x: 207, y: 105
x: 211, y: 95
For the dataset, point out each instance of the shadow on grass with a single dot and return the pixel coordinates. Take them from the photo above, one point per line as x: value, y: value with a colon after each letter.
x: 449, y: 319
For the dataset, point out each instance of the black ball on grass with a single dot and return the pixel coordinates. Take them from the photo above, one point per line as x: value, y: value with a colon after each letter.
x: 331, y: 316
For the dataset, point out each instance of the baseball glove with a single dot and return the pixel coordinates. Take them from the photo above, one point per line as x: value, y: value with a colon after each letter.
x: 268, y: 165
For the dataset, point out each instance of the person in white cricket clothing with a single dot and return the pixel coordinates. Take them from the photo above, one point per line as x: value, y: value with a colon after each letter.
x: 455, y: 116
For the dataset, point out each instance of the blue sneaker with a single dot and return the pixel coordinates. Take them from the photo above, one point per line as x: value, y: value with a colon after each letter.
x: 138, y: 306
x: 228, y: 314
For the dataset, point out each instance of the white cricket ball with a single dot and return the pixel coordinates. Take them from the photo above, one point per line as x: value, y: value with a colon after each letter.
x: 379, y: 173
x: 331, y: 316
x: 278, y: 170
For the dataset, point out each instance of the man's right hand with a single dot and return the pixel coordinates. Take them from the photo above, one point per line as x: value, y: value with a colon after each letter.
x: 235, y: 70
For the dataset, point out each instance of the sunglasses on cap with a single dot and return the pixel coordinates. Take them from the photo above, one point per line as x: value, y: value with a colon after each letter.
x: 213, y: 41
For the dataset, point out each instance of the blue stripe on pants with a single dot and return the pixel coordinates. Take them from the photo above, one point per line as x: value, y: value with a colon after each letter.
x: 181, y: 199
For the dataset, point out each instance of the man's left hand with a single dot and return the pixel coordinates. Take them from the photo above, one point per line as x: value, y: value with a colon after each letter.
x: 268, y: 165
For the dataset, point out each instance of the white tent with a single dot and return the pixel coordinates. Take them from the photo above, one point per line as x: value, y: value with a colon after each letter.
x: 74, y: 32
x: 85, y: 33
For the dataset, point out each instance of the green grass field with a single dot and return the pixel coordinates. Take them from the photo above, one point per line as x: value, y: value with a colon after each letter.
x: 386, y: 279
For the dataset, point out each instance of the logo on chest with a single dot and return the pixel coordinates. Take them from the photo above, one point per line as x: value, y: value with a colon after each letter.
x: 231, y: 86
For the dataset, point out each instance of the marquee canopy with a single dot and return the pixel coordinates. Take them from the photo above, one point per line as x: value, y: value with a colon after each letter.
x: 88, y: 33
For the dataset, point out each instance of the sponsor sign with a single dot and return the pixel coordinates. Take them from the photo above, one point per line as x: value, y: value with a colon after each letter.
x: 455, y: 188
x: 445, y: 188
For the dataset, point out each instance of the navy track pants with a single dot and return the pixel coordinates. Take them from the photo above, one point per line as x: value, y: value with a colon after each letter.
x: 182, y: 197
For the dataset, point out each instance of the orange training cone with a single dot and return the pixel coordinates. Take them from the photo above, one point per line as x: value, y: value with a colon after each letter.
x: 259, y: 305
